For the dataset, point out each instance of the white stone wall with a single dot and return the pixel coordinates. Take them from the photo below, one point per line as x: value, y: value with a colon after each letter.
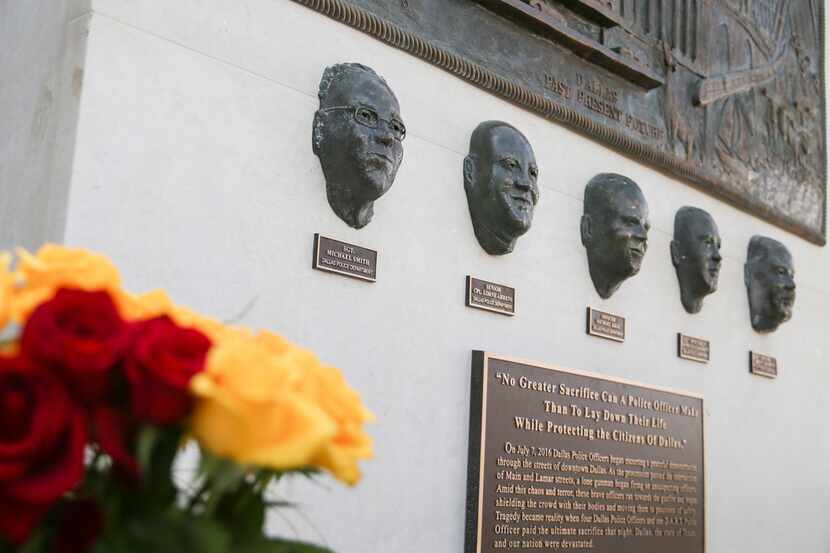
x: 194, y: 171
x: 41, y: 74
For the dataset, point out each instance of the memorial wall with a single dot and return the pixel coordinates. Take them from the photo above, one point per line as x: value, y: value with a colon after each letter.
x: 538, y: 385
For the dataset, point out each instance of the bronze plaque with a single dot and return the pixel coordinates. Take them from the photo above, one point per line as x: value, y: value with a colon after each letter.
x: 693, y: 349
x: 344, y: 259
x: 763, y: 365
x: 562, y: 460
x: 606, y: 325
x: 490, y: 296
x: 726, y: 94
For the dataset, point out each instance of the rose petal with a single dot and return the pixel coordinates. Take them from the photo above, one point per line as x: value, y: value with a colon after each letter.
x: 163, y: 360
x: 45, y: 425
x: 80, y: 334
x: 155, y: 401
x: 17, y: 520
x: 58, y: 474
x: 9, y: 470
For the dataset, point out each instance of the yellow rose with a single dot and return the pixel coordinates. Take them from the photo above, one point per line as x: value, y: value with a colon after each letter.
x: 56, y: 267
x: 341, y: 454
x: 326, y: 386
x: 6, y: 288
x: 135, y: 307
x: 266, y: 402
x: 248, y: 410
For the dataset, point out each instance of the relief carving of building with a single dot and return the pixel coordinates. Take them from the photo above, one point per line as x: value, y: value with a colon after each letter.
x: 740, y: 82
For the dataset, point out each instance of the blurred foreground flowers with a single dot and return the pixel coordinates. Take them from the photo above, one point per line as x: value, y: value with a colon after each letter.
x: 100, y: 388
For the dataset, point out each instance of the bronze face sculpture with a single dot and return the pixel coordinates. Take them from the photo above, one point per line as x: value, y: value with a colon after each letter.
x: 695, y: 254
x: 357, y: 134
x: 614, y: 230
x: 770, y: 284
x: 500, y: 179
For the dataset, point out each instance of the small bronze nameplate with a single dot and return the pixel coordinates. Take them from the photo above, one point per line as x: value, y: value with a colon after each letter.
x: 693, y: 349
x: 490, y: 296
x: 763, y: 365
x: 344, y: 259
x: 606, y: 325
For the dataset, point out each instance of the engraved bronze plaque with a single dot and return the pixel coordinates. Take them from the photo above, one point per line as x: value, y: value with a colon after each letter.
x: 763, y: 365
x: 344, y: 259
x: 490, y: 296
x: 605, y: 325
x: 726, y: 94
x: 693, y: 349
x: 563, y: 460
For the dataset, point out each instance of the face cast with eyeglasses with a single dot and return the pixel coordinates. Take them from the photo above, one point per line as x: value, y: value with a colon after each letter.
x: 614, y: 230
x: 500, y: 179
x: 358, y: 134
x: 695, y: 254
x: 770, y: 283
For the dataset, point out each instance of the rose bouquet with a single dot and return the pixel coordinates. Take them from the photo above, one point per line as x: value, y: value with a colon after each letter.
x: 99, y: 391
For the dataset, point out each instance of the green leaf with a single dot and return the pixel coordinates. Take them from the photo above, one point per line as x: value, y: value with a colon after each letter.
x: 244, y: 509
x: 203, y: 536
x: 279, y: 546
x: 160, y: 449
x: 111, y: 544
x: 147, y: 437
x: 228, y: 478
x: 210, y: 464
x: 36, y: 543
x: 175, y: 533
x: 221, y: 477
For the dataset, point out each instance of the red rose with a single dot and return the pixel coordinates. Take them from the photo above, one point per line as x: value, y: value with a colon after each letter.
x: 80, y: 526
x: 163, y: 359
x: 82, y: 335
x: 42, y: 439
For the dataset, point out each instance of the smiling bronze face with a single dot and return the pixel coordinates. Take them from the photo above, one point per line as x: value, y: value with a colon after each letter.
x: 770, y: 283
x: 500, y: 179
x: 695, y: 253
x: 614, y: 230
x: 358, y: 134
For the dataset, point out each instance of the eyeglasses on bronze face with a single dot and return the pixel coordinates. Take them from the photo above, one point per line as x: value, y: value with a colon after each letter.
x: 370, y: 118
